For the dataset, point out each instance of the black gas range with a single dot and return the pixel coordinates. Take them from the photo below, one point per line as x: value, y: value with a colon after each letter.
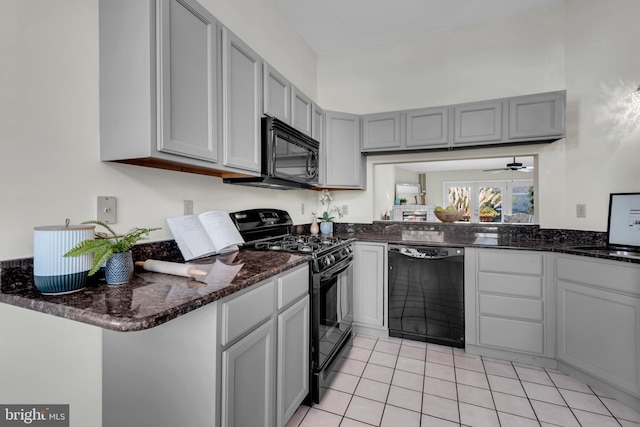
x: 331, y: 286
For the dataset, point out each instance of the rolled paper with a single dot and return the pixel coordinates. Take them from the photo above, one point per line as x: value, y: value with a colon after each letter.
x: 175, y: 268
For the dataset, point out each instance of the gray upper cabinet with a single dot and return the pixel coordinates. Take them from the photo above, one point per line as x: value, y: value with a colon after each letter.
x: 381, y: 131
x: 317, y: 124
x: 277, y: 94
x: 159, y: 102
x: 477, y: 123
x: 242, y: 103
x: 301, y: 111
x: 188, y: 86
x: 537, y: 116
x: 342, y: 161
x: 427, y: 128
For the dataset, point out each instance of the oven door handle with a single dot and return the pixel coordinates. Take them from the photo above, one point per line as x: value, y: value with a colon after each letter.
x: 336, y: 270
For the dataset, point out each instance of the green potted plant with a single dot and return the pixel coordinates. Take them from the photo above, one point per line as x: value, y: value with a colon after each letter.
x: 326, y: 220
x: 111, y: 250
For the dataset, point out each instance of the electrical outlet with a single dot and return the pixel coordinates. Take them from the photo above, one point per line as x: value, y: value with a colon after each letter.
x: 107, y: 212
x: 345, y: 209
x: 301, y: 208
x: 188, y: 207
x: 581, y: 210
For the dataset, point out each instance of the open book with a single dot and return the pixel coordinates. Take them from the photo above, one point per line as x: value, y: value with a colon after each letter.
x: 208, y: 233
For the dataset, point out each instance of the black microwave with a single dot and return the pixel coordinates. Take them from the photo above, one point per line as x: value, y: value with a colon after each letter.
x: 289, y: 158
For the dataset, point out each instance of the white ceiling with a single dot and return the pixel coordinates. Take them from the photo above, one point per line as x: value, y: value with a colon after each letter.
x: 332, y: 26
x: 470, y: 164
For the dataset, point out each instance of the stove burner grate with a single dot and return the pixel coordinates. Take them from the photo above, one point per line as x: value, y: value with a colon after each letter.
x: 305, y: 244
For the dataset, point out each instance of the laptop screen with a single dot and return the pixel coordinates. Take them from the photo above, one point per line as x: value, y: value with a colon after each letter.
x: 623, y: 229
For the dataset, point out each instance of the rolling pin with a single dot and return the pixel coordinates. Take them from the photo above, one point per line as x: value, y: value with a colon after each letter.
x: 175, y: 268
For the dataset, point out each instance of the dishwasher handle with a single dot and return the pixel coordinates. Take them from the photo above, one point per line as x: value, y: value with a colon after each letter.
x: 426, y: 252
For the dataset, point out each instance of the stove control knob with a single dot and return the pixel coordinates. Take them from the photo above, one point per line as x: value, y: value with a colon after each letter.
x: 331, y: 259
x: 325, y: 261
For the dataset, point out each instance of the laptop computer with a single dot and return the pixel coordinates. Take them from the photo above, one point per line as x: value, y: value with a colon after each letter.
x: 623, y: 227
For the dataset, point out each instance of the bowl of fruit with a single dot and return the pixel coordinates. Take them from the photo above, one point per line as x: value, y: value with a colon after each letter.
x: 448, y: 214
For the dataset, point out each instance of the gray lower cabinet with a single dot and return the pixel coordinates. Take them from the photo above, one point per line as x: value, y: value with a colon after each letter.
x: 241, y: 104
x: 508, y: 304
x: 370, y: 287
x: 537, y: 116
x: 159, y: 83
x: 599, y: 321
x: 240, y: 361
x: 293, y: 361
x: 477, y: 123
x: 342, y: 163
x: 381, y: 131
x: 265, y: 363
x: 248, y: 381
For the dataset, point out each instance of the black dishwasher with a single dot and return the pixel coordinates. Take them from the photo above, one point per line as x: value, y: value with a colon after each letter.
x: 426, y: 294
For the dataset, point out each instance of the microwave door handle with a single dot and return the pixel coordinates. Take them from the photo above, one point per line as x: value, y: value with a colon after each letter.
x: 308, y: 165
x: 274, y: 146
x: 312, y: 171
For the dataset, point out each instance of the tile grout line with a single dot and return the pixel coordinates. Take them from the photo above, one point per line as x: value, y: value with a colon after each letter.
x: 495, y: 407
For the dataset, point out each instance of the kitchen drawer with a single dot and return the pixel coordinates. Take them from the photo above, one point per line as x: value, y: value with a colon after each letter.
x: 511, y: 262
x: 612, y: 275
x: 516, y: 308
x: 247, y: 311
x: 524, y: 286
x: 293, y: 286
x: 513, y: 335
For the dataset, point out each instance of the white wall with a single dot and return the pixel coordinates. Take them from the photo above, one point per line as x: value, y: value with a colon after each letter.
x: 586, y: 46
x: 49, y: 124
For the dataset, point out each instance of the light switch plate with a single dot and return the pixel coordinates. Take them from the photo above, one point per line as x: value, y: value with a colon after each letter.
x: 107, y: 209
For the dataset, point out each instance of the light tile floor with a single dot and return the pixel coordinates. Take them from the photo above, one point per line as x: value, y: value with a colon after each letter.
x: 390, y: 382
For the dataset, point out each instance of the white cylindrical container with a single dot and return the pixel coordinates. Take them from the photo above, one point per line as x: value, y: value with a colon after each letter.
x: 54, y: 273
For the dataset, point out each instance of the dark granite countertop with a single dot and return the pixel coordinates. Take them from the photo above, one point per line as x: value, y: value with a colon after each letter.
x: 150, y: 299
x: 153, y: 298
x: 519, y: 237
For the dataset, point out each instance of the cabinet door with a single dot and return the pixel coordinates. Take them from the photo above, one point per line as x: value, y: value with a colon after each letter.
x: 242, y: 103
x: 599, y: 333
x: 477, y: 123
x: 293, y: 359
x: 381, y: 131
x: 368, y: 288
x: 427, y: 128
x: 277, y: 94
x: 188, y: 80
x: 535, y: 116
x: 247, y: 379
x: 343, y: 161
x: 317, y: 124
x: 301, y: 111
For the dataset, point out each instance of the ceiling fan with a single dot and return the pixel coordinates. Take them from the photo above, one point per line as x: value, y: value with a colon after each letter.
x: 513, y: 166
